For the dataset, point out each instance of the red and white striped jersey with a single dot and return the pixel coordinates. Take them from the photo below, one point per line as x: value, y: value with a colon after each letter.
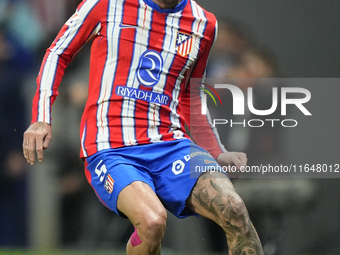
x: 142, y: 58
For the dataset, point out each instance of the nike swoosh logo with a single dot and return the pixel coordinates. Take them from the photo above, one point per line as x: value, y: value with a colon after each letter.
x: 122, y: 26
x: 208, y: 161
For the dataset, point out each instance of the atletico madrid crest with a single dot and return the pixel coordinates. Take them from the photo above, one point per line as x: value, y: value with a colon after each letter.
x: 184, y: 44
x: 109, y: 184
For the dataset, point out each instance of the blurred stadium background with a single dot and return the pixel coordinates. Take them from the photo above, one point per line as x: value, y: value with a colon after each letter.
x: 50, y: 209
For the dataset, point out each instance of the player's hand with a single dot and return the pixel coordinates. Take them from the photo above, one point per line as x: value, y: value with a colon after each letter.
x: 36, y: 138
x: 237, y: 159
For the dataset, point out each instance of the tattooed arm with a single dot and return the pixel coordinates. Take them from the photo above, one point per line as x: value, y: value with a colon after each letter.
x: 36, y: 138
x: 215, y: 198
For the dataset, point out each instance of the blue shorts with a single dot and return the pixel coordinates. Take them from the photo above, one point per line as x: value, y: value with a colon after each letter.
x: 164, y: 166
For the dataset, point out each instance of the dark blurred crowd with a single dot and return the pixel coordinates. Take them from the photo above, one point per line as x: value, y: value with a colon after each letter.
x: 16, y: 60
x: 27, y: 27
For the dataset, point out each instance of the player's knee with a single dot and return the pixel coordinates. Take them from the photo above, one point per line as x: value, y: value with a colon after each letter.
x: 239, y: 206
x: 154, y: 228
x: 237, y: 214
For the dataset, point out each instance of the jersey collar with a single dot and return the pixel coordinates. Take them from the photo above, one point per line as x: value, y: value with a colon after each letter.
x: 177, y: 8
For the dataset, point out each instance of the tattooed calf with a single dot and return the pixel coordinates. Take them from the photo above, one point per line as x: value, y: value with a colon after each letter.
x: 247, y: 247
x: 219, y: 198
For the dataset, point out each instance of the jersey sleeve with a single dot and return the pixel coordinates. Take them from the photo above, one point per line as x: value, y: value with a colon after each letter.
x: 200, y: 126
x: 85, y: 23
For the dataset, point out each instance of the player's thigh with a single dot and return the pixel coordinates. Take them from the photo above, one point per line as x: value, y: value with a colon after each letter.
x: 140, y: 204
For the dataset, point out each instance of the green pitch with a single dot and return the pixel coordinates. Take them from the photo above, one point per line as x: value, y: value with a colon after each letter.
x: 55, y: 252
x: 71, y: 252
x: 111, y: 252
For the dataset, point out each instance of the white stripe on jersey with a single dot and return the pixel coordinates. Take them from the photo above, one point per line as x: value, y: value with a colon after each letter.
x: 106, y: 85
x: 174, y: 117
x: 83, y: 141
x: 52, y: 60
x: 216, y: 31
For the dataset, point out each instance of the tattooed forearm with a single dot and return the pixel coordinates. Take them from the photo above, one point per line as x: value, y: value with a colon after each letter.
x: 227, y: 209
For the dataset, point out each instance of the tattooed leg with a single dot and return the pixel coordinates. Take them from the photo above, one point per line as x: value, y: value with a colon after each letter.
x: 146, y: 212
x: 214, y: 197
